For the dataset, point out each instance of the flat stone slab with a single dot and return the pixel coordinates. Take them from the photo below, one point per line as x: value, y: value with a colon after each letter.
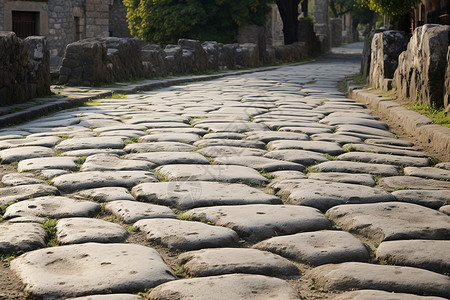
x: 109, y: 297
x: 159, y: 146
x: 49, y: 141
x: 52, y: 206
x: 391, y: 221
x: 85, y: 230
x: 268, y: 136
x: 170, y: 158
x: 381, y: 295
x: 230, y: 142
x: 190, y: 194
x: 389, y: 142
x: 186, y: 235
x: 428, y: 172
x: 24, y: 237
x: 124, y: 133
x: 411, y: 182
x: 210, y: 262
x: 385, y: 150
x: 8, y: 156
x: 110, y: 162
x: 424, y: 254
x: 261, y: 221
x: 91, y: 142
x: 317, y: 248
x: 22, y: 192
x: 225, y: 135
x: 316, y: 146
x: 232, y: 126
x: 216, y: 151
x: 75, y: 270
x: 429, y: 198
x: 356, y: 167
x: 36, y: 164
x: 389, y: 159
x: 259, y: 163
x: 365, y: 130
x: 180, y: 137
x: 253, y: 287
x: 132, y: 211
x: 89, y: 152
x: 106, y: 194
x: 355, y: 275
x: 303, y: 157
x: 21, y: 179
x: 340, y: 139
x: 96, y: 179
x: 443, y: 165
x: 445, y: 209
x: 211, y: 173
x: 354, y: 121
x: 363, y: 179
x: 325, y: 194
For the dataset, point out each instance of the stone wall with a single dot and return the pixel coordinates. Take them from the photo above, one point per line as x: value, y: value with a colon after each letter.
x: 118, y: 26
x: 447, y: 84
x: 421, y: 72
x: 336, y: 32
x: 24, y: 68
x: 274, y: 28
x: 2, y: 16
x: 321, y: 27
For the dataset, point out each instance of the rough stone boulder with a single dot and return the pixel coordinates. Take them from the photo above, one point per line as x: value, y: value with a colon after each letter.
x: 447, y: 84
x: 195, y: 57
x: 213, y: 50
x: 39, y: 78
x: 174, y: 59
x: 291, y: 52
x: 250, y: 33
x: 153, y: 61
x: 124, y: 58
x: 366, y: 54
x: 421, y: 72
x: 247, y: 55
x: 227, y: 58
x: 385, y: 49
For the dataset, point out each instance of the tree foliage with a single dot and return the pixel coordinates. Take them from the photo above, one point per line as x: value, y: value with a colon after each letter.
x: 165, y: 21
x: 391, y: 7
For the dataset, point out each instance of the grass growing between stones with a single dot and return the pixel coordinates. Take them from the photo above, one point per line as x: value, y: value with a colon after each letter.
x: 437, y: 114
x: 116, y: 96
x: 310, y: 169
x: 161, y: 177
x: 50, y: 228
x: 6, y: 259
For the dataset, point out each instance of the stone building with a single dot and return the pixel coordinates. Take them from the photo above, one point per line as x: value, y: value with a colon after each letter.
x: 430, y: 12
x: 64, y: 21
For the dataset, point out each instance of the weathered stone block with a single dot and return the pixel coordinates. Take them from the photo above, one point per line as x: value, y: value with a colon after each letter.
x: 366, y: 54
x: 336, y: 32
x: 447, y: 84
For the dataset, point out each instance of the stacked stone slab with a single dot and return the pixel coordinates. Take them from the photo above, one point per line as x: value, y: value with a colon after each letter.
x: 24, y: 68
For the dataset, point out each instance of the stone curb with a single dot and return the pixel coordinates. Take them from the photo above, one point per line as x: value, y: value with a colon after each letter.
x: 146, y: 85
x: 413, y: 123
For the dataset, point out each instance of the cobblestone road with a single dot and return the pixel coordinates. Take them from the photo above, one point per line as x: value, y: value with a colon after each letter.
x: 270, y: 185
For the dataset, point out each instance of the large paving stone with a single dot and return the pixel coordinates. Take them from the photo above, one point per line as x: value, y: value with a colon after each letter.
x: 22, y: 192
x: 89, y: 152
x: 110, y: 162
x: 232, y: 126
x: 445, y: 209
x: 159, y: 146
x: 356, y: 167
x: 210, y: 262
x: 8, y: 156
x: 186, y: 235
x: 53, y: 207
x: 259, y: 163
x: 85, y: 230
x: 443, y: 165
x: 391, y: 221
x: 381, y: 295
x: 15, y: 179
x: 127, y: 134
x: 365, y: 130
x: 96, y: 179
x: 428, y: 172
x: 412, y: 182
x: 354, y: 121
x: 225, y: 287
x: 225, y: 135
x: 354, y: 275
x: 216, y: 151
x: 317, y: 248
x: 91, y: 142
x: 303, y: 157
x: 106, y: 194
x: 211, y: 173
x: 109, y: 297
x: 364, y: 179
x: 336, y: 138
x: 16, y: 237
x: 424, y: 254
x: 268, y: 136
x: 430, y: 198
x: 384, y: 150
x: 261, y: 221
x: 180, y: 137
x: 230, y: 142
x: 41, y: 141
x: 389, y: 159
x: 36, y: 164
x: 76, y: 270
x: 324, y: 195
x: 132, y: 211
x: 316, y: 146
x: 170, y: 158
x: 190, y: 194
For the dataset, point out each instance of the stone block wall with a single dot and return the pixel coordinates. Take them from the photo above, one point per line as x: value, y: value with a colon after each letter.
x: 24, y: 68
x: 2, y: 16
x: 118, y: 26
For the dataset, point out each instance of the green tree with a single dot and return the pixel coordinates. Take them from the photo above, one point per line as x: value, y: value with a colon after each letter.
x: 361, y: 14
x: 391, y: 7
x: 166, y: 21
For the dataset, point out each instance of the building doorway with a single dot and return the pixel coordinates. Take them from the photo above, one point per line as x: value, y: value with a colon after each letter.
x: 25, y: 23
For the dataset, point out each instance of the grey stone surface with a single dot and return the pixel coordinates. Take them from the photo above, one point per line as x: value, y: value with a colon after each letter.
x: 364, y: 179
x: 303, y: 157
x: 225, y: 135
x: 76, y: 270
x: 111, y: 162
x: 211, y: 262
x: 316, y: 146
x: 424, y: 254
x: 443, y: 165
x: 96, y: 179
x: 353, y: 121
x: 385, y: 150
x: 216, y: 151
x: 169, y: 158
x: 317, y: 248
x: 109, y: 297
x: 170, y: 137
x: 89, y: 152
x: 85, y: 230
x: 354, y: 275
x: 50, y: 173
x: 53, y: 207
x: 260, y: 221
x: 36, y: 164
x: 16, y: 237
x: 232, y: 127
x: 22, y: 192
x: 381, y: 295
x: 388, y: 159
x: 43, y: 142
x: 391, y: 221
x: 411, y: 182
x: 389, y: 142
x: 254, y: 287
x: 268, y: 136
x: 356, y: 167
x: 8, y: 156
x: 365, y: 130
x: 132, y: 211
x: 211, y: 173
x: 430, y: 198
x: 230, y: 142
x: 21, y: 179
x: 428, y: 172
x: 159, y: 146
x: 190, y: 194
x: 445, y: 209
x: 340, y: 139
x: 259, y: 163
x: 186, y: 235
x: 90, y: 142
x: 106, y: 194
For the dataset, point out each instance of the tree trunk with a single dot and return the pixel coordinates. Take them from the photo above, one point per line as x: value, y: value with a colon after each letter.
x: 289, y: 14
